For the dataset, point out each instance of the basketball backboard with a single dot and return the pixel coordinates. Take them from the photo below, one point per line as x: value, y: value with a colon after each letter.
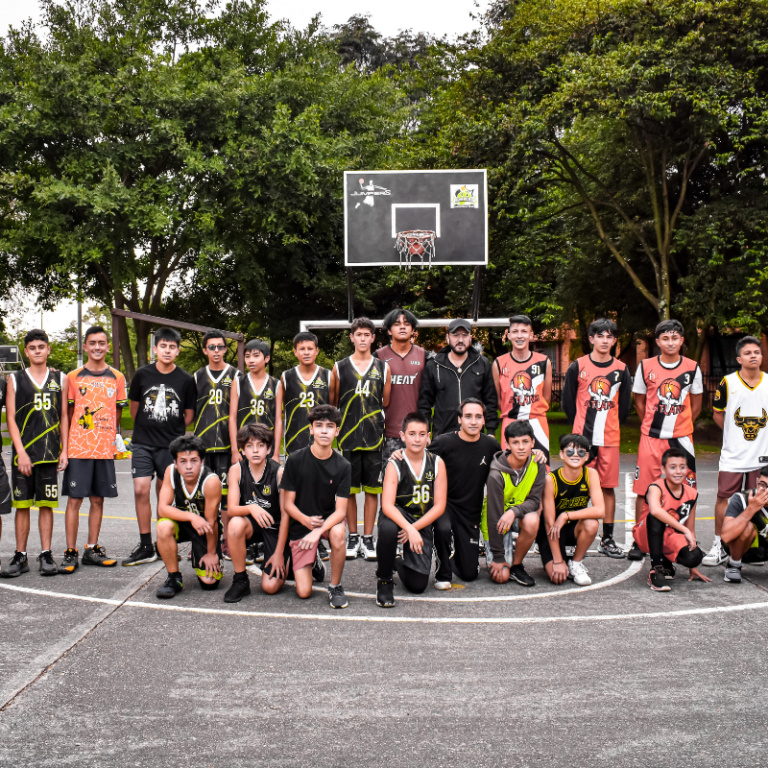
x: 421, y: 218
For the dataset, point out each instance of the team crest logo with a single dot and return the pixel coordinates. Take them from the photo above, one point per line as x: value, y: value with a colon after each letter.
x: 750, y: 425
x: 600, y: 394
x: 83, y: 390
x: 651, y: 376
x: 583, y: 487
x: 465, y: 196
x: 690, y: 479
x: 269, y: 393
x: 369, y: 192
x: 523, y: 389
x: 429, y: 476
x: 318, y: 383
x: 226, y: 381
x: 670, y: 396
x: 374, y: 373
x: 267, y: 490
x: 54, y: 386
x: 17, y: 492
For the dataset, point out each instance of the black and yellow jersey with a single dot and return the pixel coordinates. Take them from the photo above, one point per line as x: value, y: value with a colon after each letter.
x: 256, y: 406
x: 570, y: 496
x: 38, y: 415
x: 361, y: 404
x: 190, y: 501
x: 299, y: 395
x: 213, y: 392
x: 263, y: 492
x: 416, y: 492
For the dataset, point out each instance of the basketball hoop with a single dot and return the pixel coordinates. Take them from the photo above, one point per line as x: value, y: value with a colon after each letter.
x: 416, y: 243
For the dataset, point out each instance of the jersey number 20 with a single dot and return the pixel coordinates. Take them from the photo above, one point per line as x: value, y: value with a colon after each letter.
x: 215, y: 397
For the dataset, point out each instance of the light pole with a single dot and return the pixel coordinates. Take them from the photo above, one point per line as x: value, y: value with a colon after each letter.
x: 79, y: 334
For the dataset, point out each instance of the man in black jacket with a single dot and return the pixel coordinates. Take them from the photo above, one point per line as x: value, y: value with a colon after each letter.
x: 456, y: 373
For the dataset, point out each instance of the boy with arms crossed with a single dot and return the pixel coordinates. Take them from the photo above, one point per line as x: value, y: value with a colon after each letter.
x: 162, y: 402
x: 514, y: 491
x: 668, y: 391
x: 568, y: 520
x: 96, y: 401
x: 188, y: 510
x: 314, y: 493
x: 363, y: 386
x: 254, y: 506
x: 666, y: 528
x: 38, y: 423
x: 415, y: 490
x: 523, y: 380
x: 597, y: 399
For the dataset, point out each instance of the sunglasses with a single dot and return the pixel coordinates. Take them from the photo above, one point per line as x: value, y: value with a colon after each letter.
x: 216, y: 347
x: 580, y: 452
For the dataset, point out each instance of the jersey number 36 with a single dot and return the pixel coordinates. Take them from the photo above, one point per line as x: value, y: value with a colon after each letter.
x: 257, y: 407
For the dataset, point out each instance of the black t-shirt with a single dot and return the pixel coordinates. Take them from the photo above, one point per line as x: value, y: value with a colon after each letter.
x: 162, y: 399
x: 3, y: 388
x: 466, y: 466
x: 317, y: 483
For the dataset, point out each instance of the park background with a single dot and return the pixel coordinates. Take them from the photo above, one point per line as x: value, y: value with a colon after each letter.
x: 185, y: 160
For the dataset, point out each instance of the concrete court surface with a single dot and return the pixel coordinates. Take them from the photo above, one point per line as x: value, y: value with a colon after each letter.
x: 94, y: 670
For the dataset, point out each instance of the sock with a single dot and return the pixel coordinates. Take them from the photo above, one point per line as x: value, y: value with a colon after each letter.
x: 146, y: 539
x: 734, y: 563
x: 657, y: 564
x: 175, y: 574
x: 23, y: 553
x: 332, y: 586
x: 716, y: 540
x: 90, y: 546
x: 607, y: 531
x: 44, y: 551
x: 240, y: 576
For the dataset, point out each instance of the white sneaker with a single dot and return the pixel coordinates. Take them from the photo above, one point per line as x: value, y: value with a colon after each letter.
x: 579, y: 573
x: 442, y: 585
x: 716, y: 556
x: 353, y: 546
x: 368, y: 548
x: 534, y: 550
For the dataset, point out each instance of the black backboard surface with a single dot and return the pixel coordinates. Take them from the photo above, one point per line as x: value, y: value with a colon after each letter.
x: 379, y: 204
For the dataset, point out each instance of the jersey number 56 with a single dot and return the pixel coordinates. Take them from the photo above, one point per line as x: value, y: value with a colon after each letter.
x: 421, y: 494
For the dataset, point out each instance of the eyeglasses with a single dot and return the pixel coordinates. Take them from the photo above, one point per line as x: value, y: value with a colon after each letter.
x: 580, y: 452
x: 216, y: 347
x: 762, y: 486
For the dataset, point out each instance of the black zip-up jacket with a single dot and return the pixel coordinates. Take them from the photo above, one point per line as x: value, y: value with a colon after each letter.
x: 443, y: 388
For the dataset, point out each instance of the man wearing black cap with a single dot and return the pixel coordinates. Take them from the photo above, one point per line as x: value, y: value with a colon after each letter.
x: 455, y: 373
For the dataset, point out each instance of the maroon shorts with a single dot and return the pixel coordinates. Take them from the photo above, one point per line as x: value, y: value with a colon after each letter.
x: 607, y: 465
x: 301, y: 558
x: 729, y: 483
x: 674, y: 541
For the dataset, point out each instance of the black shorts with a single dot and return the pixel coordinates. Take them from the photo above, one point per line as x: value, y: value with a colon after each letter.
x: 219, y: 462
x: 5, y: 490
x: 466, y: 546
x: 185, y: 531
x: 567, y: 539
x: 366, y: 470
x: 89, y: 477
x: 41, y: 487
x: 390, y: 445
x: 149, y: 460
x: 270, y: 546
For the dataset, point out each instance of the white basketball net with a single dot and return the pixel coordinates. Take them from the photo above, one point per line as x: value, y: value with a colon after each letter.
x: 416, y: 243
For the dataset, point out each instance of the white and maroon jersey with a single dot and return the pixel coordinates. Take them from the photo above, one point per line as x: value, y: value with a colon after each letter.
x: 406, y: 373
x: 678, y: 506
x: 598, y: 396
x: 667, y: 401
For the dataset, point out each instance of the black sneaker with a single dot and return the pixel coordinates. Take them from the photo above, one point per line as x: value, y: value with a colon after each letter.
x: 657, y: 580
x: 610, y: 548
x: 250, y: 554
x: 260, y: 552
x: 669, y: 569
x: 70, y: 562
x: 142, y: 554
x: 18, y: 565
x: 336, y: 597
x: 521, y: 576
x: 98, y: 556
x: 173, y: 585
x: 240, y: 588
x: 325, y: 555
x: 635, y: 553
x: 385, y: 593
x: 318, y: 570
x: 48, y: 565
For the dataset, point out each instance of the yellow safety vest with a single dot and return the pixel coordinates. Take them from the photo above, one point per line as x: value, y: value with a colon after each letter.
x: 514, y: 495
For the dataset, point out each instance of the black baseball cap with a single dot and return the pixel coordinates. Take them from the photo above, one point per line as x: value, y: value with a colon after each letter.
x: 460, y: 323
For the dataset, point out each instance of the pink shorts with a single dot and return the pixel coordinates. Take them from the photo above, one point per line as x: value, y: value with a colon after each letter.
x: 301, y: 558
x: 674, y: 541
x: 607, y: 465
x: 650, y: 451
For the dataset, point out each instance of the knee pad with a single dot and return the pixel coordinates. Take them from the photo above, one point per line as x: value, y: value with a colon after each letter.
x: 690, y: 558
x: 207, y: 587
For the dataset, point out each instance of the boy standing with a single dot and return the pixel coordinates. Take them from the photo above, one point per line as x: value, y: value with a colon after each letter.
x: 5, y: 486
x: 514, y: 491
x: 406, y: 363
x: 666, y: 528
x: 96, y: 401
x: 568, y: 520
x: 255, y: 400
x: 38, y: 423
x: 523, y: 380
x: 188, y: 510
x: 597, y: 399
x: 315, y: 492
x: 162, y: 402
x: 363, y: 385
x: 415, y: 490
x: 254, y: 507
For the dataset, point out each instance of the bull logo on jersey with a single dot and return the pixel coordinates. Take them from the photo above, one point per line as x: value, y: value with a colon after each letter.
x: 670, y: 396
x: 600, y: 394
x: 523, y: 389
x: 750, y: 425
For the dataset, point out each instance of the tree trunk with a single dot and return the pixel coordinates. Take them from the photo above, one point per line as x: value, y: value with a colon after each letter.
x: 271, y: 355
x: 142, y: 342
x: 126, y: 353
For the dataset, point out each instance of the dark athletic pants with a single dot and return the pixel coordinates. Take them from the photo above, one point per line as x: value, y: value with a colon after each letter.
x: 685, y: 557
x: 464, y: 537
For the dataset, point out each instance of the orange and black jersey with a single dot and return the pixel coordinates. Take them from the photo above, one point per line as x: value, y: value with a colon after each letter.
x: 679, y: 506
x: 522, y: 386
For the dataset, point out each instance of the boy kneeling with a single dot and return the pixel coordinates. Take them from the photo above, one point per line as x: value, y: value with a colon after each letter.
x: 315, y: 488
x: 514, y: 491
x: 568, y: 520
x: 254, y: 513
x: 666, y: 528
x: 188, y: 510
x: 413, y: 497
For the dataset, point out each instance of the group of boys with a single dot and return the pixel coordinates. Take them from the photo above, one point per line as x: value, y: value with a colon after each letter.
x: 223, y: 488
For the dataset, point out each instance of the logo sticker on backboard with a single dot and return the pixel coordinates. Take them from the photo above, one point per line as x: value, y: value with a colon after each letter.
x: 465, y: 196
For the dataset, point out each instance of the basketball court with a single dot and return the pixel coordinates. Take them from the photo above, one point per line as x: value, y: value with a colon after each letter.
x: 612, y: 674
